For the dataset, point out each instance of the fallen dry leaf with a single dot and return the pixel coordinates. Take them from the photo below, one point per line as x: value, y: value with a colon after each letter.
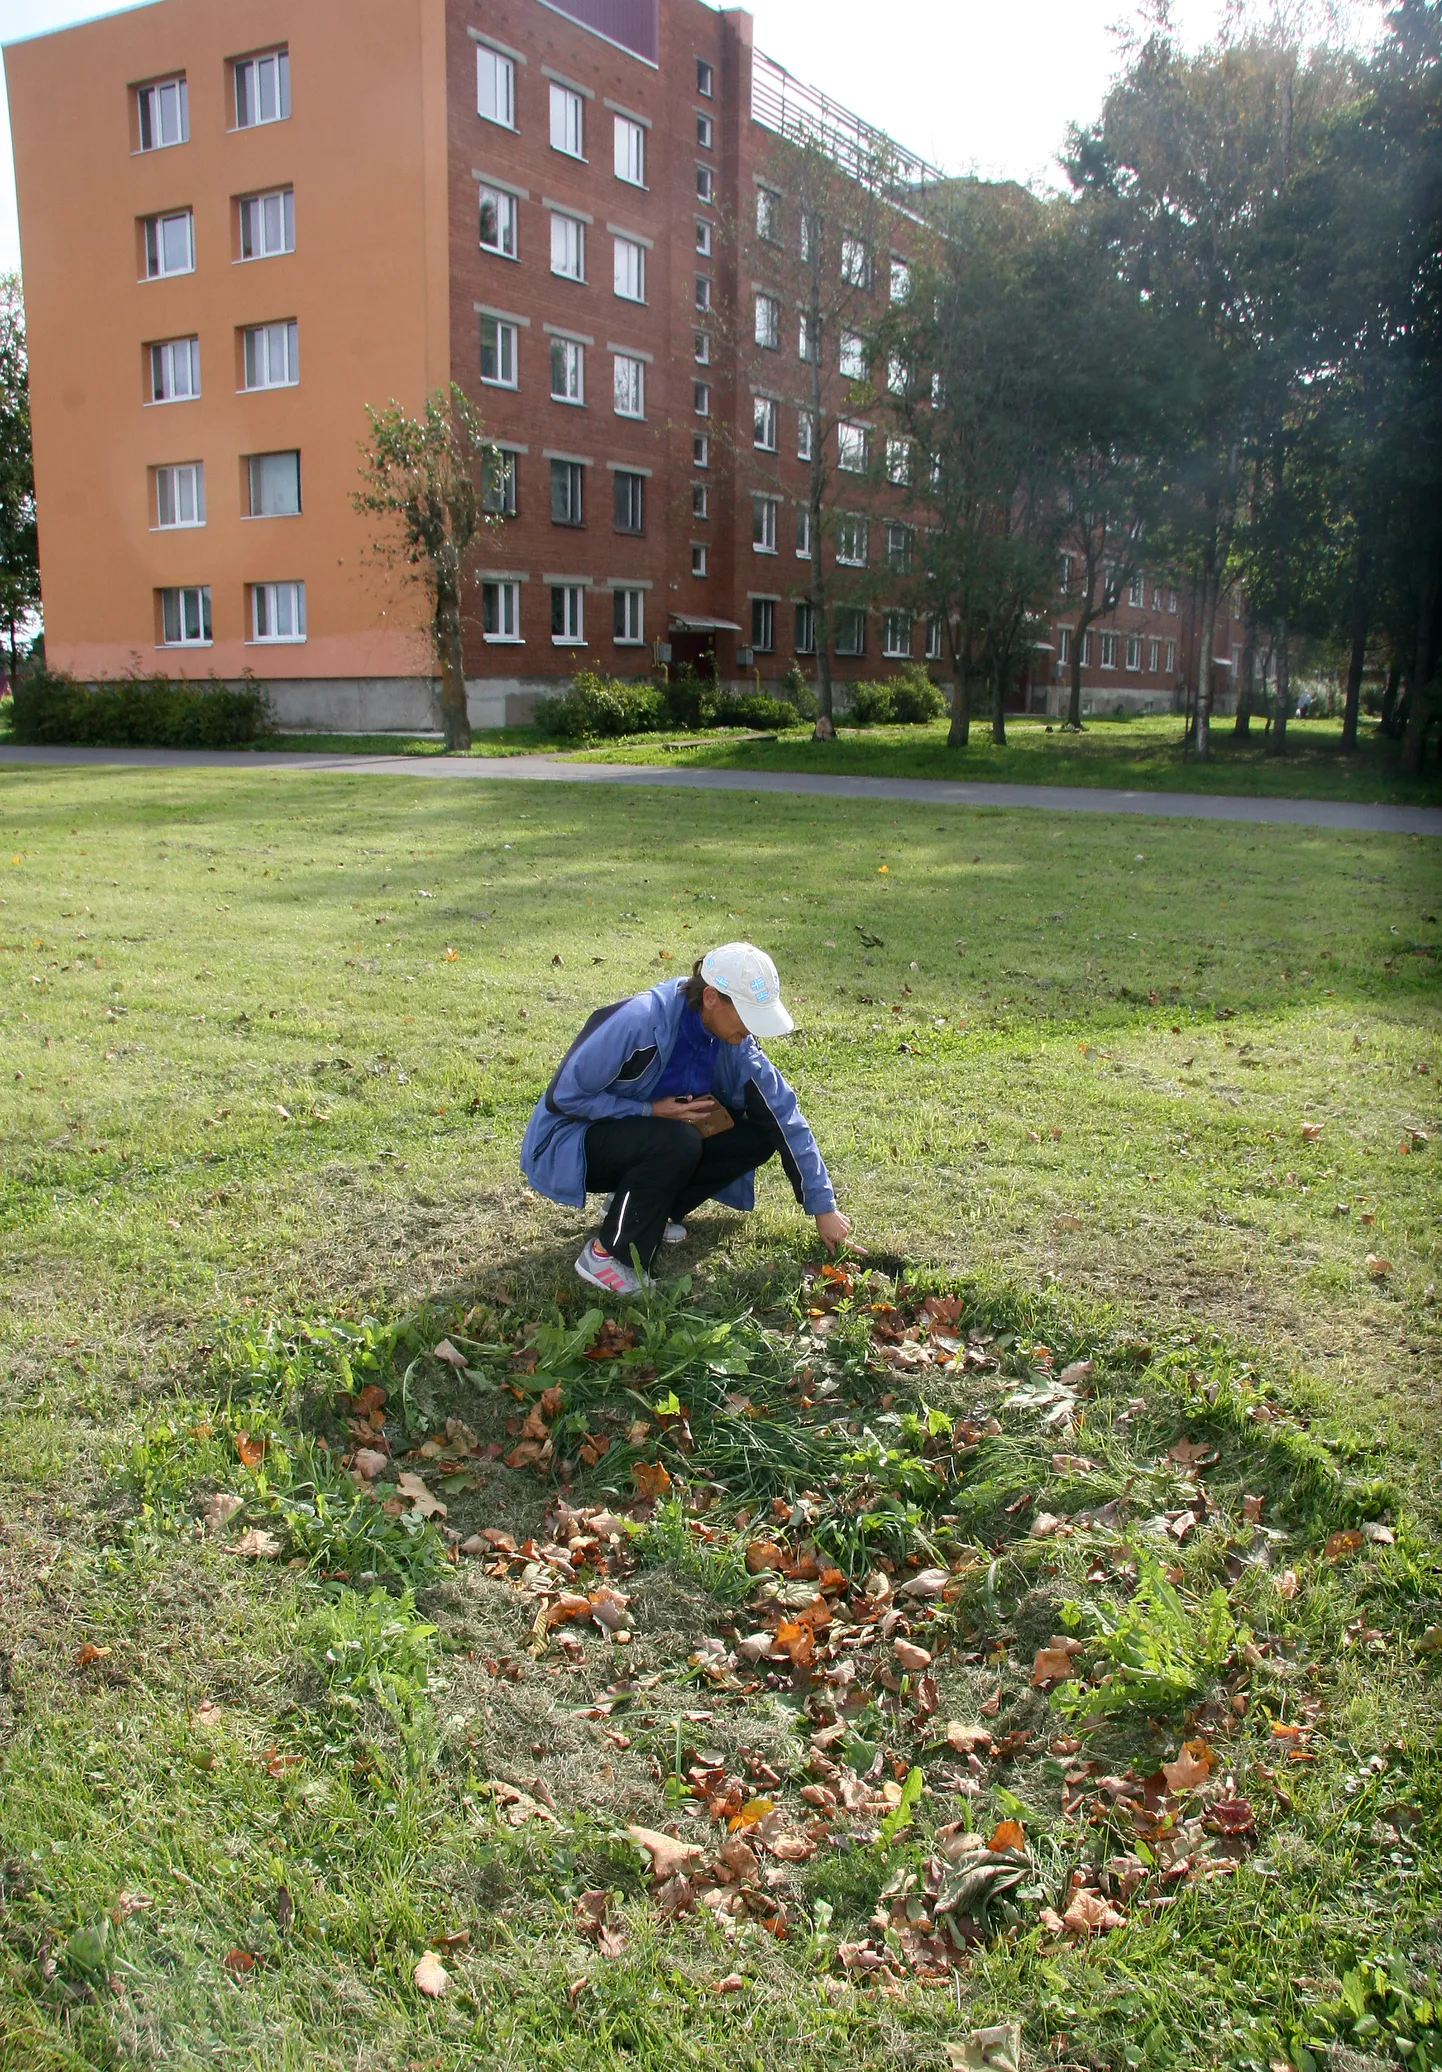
x: 1090, y: 1914
x: 1053, y: 1664
x: 251, y: 1451
x: 1342, y: 1543
x: 1286, y: 1584
x: 257, y: 1545
x: 431, y: 1976
x: 1252, y: 1509
x: 1190, y: 1767
x: 1311, y: 1131
x: 368, y: 1463
x: 650, y: 1478
x: 447, y: 1352
x: 669, y: 1858
x: 90, y: 1653
x: 732, y: 1983
x: 912, y: 1658
x: 217, y: 1511
x: 1007, y: 1834
x: 1378, y: 1268
x: 238, y: 1962
x: 997, y: 2049
x: 414, y: 1490
x: 966, y: 1740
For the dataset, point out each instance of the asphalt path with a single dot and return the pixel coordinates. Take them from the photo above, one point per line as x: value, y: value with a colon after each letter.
x: 929, y: 791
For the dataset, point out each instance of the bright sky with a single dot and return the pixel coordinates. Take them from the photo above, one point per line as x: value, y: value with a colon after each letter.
x: 970, y: 86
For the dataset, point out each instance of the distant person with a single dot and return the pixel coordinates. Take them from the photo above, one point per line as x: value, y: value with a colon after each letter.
x: 667, y: 1099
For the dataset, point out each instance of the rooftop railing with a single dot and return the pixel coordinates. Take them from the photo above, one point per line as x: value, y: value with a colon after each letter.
x: 788, y: 106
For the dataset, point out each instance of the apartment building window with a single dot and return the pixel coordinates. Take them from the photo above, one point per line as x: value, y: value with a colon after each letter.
x: 700, y: 500
x: 763, y: 423
x: 1171, y: 656
x: 705, y: 79
x: 499, y: 472
x: 1134, y: 651
x: 705, y: 183
x: 1137, y: 592
x: 1063, y: 645
x: 500, y: 352
x: 1064, y: 576
x: 566, y: 492
x: 853, y: 356
x: 900, y: 279
x: 175, y: 370
x: 163, y: 112
x: 1236, y: 600
x: 568, y: 370
x: 568, y: 247
x: 495, y: 87
x: 273, y: 480
x: 262, y: 89
x: 851, y: 540
x: 763, y: 625
x: 895, y: 635
x: 898, y: 546
x: 501, y: 611
x: 698, y: 557
x: 1154, y: 656
x: 629, y: 270
x: 705, y: 131
x: 1109, y: 651
x: 701, y: 398
x: 851, y: 448
x: 703, y: 237
x: 763, y: 524
x: 805, y: 642
x: 810, y: 233
x: 803, y: 532
x: 768, y: 215
x: 567, y: 121
x: 568, y: 614
x: 267, y: 224
x: 703, y: 291
x: 933, y: 638
x: 1171, y: 601
x: 169, y: 244
x: 898, y: 460
x: 897, y: 376
x: 805, y: 435
x: 499, y: 218
x: 1156, y: 597
x: 628, y: 384
x: 270, y: 354
x: 185, y: 616
x: 1086, y: 654
x: 851, y: 631
x: 630, y: 508
x: 701, y: 348
x: 630, y: 152
x: 628, y: 607
x: 700, y: 450
x: 856, y: 262
x: 180, y: 495
x: 277, y: 612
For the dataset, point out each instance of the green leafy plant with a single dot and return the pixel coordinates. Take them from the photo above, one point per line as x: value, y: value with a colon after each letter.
x: 137, y: 711
x: 1158, y: 1653
x: 600, y: 708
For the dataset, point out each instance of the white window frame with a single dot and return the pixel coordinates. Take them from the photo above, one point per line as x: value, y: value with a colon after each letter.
x: 765, y: 423
x: 495, y: 87
x: 253, y: 461
x: 1137, y: 592
x: 573, y: 614
x: 700, y: 450
x: 896, y: 635
x: 700, y: 499
x: 896, y: 376
x: 568, y: 244
x: 629, y: 476
x: 630, y: 607
x: 705, y: 132
x: 803, y: 337
x: 575, y: 478
x: 505, y: 352
x: 804, y: 643
x: 163, y: 103
x: 900, y: 278
x: 156, y: 243
x: 851, y: 356
x: 499, y: 472
x: 851, y: 540
x: 763, y: 625
x: 628, y: 269
x: 856, y: 264
x: 899, y: 534
x: 628, y: 385
x: 705, y: 79
x: 898, y: 460
x: 768, y: 322
x: 568, y: 356
x: 805, y: 435
x: 854, y: 616
x: 933, y: 638
x: 200, y: 592
x: 763, y: 524
x: 1171, y: 603
x: 260, y: 215
x: 1108, y: 657
x: 1154, y: 656
x: 1063, y: 645
x: 703, y: 291
x: 703, y: 236
x: 177, y: 484
x: 851, y: 447
x: 501, y: 601
x: 698, y: 558
x: 568, y: 121
x: 1134, y: 651
x: 1064, y: 580
x: 162, y: 355
x: 803, y: 532
x: 705, y: 183
x: 265, y: 600
x: 702, y: 348
x: 254, y: 68
x: 1171, y: 657
x: 259, y: 344
x: 768, y: 215
x: 701, y: 398
x: 505, y: 212
x: 629, y: 159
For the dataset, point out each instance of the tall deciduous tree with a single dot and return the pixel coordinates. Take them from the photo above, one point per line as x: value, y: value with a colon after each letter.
x: 19, y: 547
x: 421, y: 475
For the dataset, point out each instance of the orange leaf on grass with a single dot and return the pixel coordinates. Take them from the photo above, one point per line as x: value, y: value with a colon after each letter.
x: 251, y: 1451
x: 239, y: 1962
x: 1342, y: 1543
x: 650, y: 1478
x: 90, y: 1653
x: 1007, y: 1834
x: 1190, y: 1767
x: 431, y: 1976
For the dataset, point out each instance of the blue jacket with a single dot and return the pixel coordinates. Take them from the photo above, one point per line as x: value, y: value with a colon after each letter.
x: 611, y: 1069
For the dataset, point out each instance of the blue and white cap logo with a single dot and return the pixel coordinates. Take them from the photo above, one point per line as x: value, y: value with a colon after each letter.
x: 749, y: 980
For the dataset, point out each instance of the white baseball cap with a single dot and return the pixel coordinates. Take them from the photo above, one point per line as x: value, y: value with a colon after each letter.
x: 748, y: 978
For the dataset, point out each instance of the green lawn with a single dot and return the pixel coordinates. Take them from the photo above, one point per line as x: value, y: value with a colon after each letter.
x: 1138, y: 1091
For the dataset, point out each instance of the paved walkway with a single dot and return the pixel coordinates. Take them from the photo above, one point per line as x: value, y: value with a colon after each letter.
x: 929, y: 791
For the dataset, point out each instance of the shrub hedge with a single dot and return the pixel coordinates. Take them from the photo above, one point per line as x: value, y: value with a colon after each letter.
x: 51, y: 708
x: 908, y: 699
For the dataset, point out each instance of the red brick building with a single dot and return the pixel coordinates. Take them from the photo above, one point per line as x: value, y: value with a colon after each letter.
x: 1140, y: 657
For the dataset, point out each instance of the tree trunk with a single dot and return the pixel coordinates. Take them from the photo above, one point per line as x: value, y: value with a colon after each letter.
x: 1277, y: 739
x: 960, y: 733
x: 1357, y: 660
x: 1243, y: 724
x: 1078, y: 647
x: 1389, y: 698
x: 1424, y: 670
x: 455, y: 718
x: 1206, y: 637
x: 998, y: 702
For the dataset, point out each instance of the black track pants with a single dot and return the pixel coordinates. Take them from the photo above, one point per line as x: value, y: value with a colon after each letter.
x: 658, y: 1171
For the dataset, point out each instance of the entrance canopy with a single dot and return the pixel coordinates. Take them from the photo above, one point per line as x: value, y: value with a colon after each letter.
x: 688, y: 622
